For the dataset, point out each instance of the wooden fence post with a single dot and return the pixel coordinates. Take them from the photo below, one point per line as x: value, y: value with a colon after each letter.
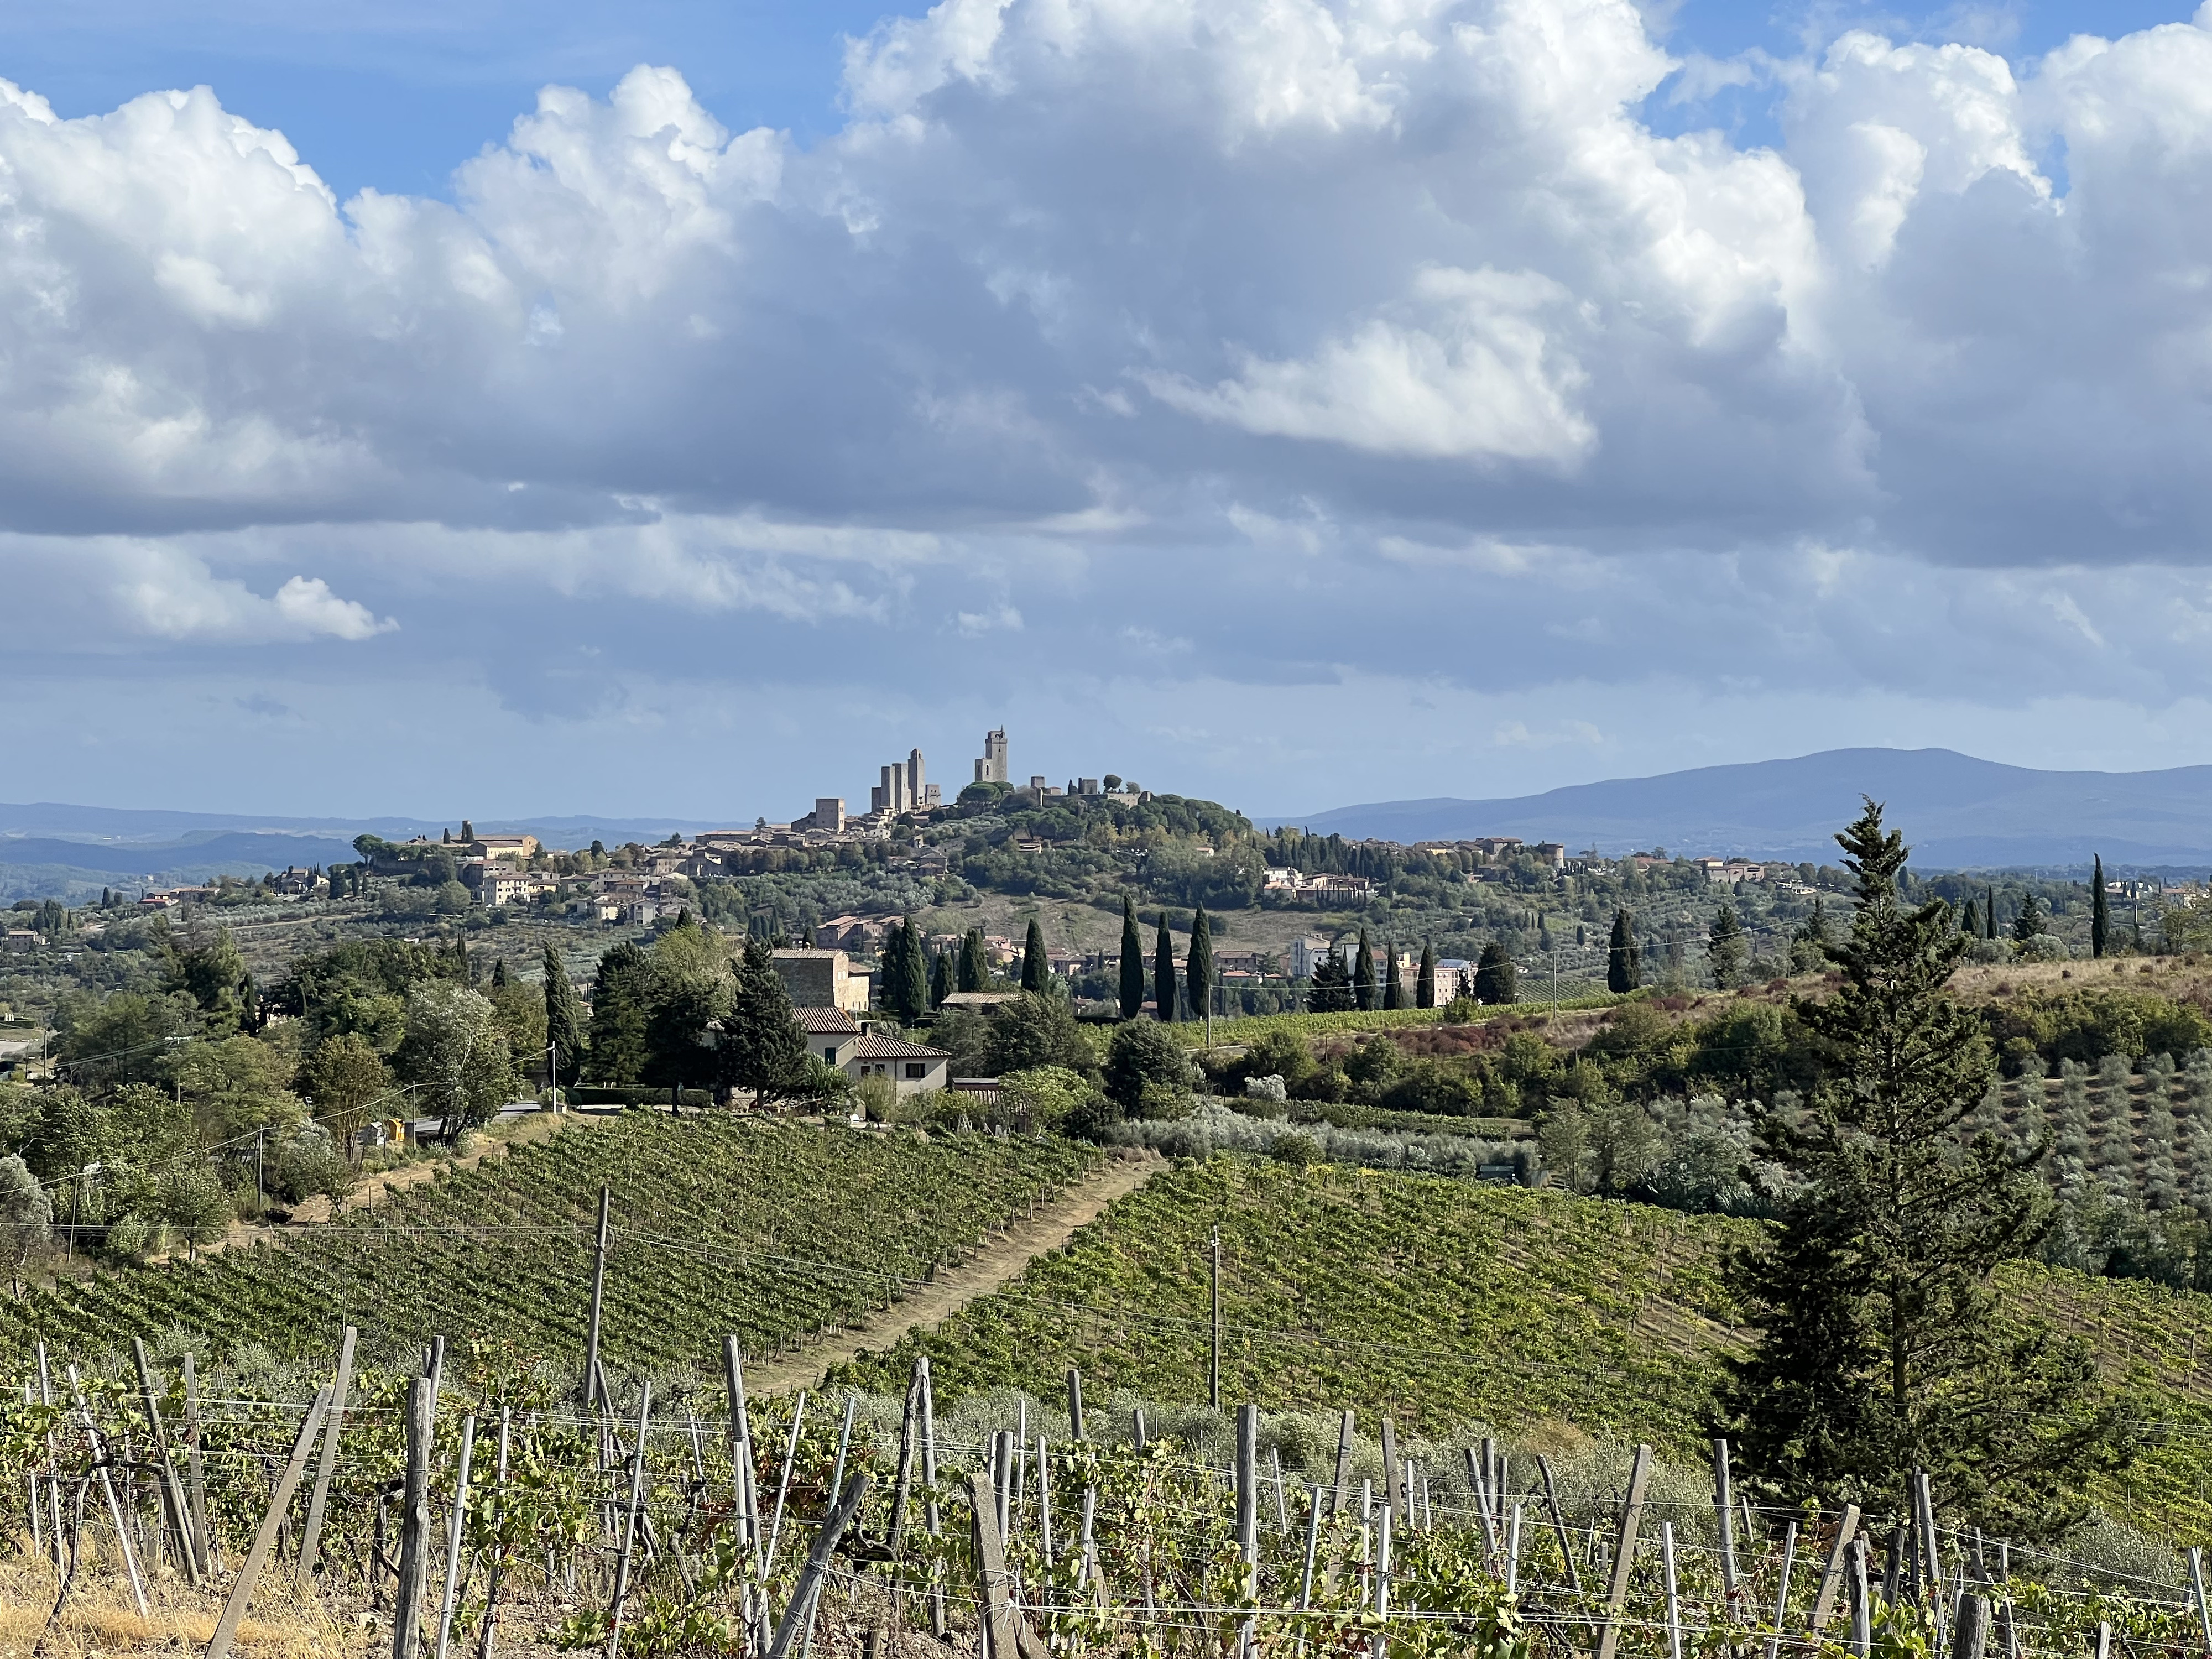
x: 1632, y: 1514
x: 1674, y: 1595
x: 1832, y: 1580
x: 629, y: 1531
x: 196, y: 1470
x: 1559, y: 1523
x: 453, y: 1536
x: 311, y: 1538
x: 1725, y: 1504
x: 172, y: 1489
x: 415, y: 1519
x: 265, y: 1540
x: 101, y: 1458
x: 599, y: 1293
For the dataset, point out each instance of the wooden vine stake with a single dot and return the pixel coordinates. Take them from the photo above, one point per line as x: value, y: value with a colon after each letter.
x: 264, y: 1539
x: 598, y: 1295
x: 415, y: 1519
x: 797, y: 1611
x: 173, y: 1511
x: 1831, y: 1581
x: 1559, y: 1523
x: 311, y: 1538
x: 1248, y: 1516
x: 101, y: 1459
x: 1631, y: 1514
x: 629, y: 1532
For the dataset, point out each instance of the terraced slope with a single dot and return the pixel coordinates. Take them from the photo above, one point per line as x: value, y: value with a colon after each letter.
x: 1447, y: 1304
x: 775, y: 1231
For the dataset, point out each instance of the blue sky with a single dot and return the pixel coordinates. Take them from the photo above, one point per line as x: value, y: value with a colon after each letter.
x: 1295, y: 404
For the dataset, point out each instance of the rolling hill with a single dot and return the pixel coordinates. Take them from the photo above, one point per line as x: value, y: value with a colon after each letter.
x: 1956, y: 811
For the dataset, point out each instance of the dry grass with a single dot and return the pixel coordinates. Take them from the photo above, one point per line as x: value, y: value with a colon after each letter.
x: 100, y: 1619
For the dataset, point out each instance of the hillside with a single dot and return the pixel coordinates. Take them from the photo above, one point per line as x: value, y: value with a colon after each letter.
x: 1958, y: 812
x: 1447, y: 1303
x: 772, y: 1231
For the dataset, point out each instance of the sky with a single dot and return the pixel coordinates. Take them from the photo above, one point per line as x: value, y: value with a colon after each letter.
x: 684, y: 409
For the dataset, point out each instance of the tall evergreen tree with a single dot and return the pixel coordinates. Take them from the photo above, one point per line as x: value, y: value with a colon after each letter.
x: 499, y: 975
x: 1331, y: 990
x: 1624, y: 963
x: 904, y: 969
x: 1133, y: 961
x: 1989, y: 914
x: 1969, y: 919
x: 564, y: 1019
x: 1394, y: 982
x: 1363, y: 975
x: 1724, y: 949
x: 1198, y: 965
x: 1880, y: 1346
x: 619, y: 1005
x: 940, y: 978
x: 1037, y: 968
x: 1497, y: 982
x: 974, y: 964
x: 2101, y: 913
x: 1163, y: 974
x: 2028, y: 923
x: 890, y: 983
x: 761, y: 1047
x: 1424, y: 988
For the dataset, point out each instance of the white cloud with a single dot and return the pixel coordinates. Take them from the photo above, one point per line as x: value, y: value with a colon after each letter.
x: 1302, y: 339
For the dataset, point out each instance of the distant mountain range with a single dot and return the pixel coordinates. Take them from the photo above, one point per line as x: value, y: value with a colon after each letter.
x: 1956, y: 812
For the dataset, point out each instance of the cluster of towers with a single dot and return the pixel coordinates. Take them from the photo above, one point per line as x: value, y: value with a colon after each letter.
x: 903, y: 788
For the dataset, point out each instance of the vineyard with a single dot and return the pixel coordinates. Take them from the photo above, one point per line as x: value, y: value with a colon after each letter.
x: 462, y: 1509
x: 772, y: 1231
x: 1446, y: 1303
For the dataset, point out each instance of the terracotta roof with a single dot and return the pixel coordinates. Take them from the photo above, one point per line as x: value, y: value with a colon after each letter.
x: 872, y: 1047
x: 826, y: 1021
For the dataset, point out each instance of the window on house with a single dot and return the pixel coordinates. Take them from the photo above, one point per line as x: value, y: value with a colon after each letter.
x: 917, y: 1070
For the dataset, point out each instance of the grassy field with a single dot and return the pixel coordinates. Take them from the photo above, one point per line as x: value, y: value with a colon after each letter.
x: 1447, y: 1303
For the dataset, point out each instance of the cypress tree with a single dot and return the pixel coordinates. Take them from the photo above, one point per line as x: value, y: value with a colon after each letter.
x: 1724, y: 949
x: 1394, y: 985
x: 1163, y: 974
x: 906, y: 979
x: 891, y: 981
x: 941, y: 979
x: 564, y: 1019
x: 1363, y: 976
x: 1198, y: 965
x: 1624, y: 967
x: 761, y: 1047
x: 1497, y: 982
x: 1036, y: 970
x: 1969, y: 919
x: 974, y: 964
x: 1879, y: 1348
x: 1132, y: 962
x: 1424, y: 988
x: 2101, y: 916
x: 499, y: 975
x: 1989, y: 914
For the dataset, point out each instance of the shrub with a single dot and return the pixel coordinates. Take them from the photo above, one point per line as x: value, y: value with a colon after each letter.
x: 1145, y: 1053
x: 308, y: 1165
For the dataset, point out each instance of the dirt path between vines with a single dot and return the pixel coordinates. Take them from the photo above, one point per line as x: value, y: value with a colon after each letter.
x: 1002, y: 1257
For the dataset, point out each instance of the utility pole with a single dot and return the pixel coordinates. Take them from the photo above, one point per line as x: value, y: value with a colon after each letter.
x: 1213, y: 1366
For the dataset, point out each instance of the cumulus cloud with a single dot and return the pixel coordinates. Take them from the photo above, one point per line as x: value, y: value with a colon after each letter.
x: 1301, y: 342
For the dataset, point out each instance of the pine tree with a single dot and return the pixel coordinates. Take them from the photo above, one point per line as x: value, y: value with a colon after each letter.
x: 1331, y: 990
x: 1425, y: 986
x: 1724, y: 949
x: 1363, y: 975
x: 618, y: 1014
x: 1393, y: 984
x: 1197, y: 966
x: 940, y: 978
x: 761, y: 1047
x: 1037, y: 969
x: 1132, y: 962
x: 1880, y: 1348
x: 499, y: 975
x: 2028, y: 923
x: 2101, y: 915
x: 564, y: 1019
x: 1624, y: 967
x: 974, y: 964
x: 1163, y: 974
x: 1497, y: 982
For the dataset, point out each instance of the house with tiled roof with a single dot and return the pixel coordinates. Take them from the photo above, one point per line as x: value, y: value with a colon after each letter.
x: 912, y: 1068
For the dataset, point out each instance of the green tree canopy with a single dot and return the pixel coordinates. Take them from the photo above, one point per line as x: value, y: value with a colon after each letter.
x: 1724, y: 949
x: 346, y: 1083
x: 1331, y: 990
x: 456, y: 1055
x: 975, y: 963
x: 1144, y: 1052
x: 619, y: 1005
x: 2100, y: 909
x: 1425, y: 986
x: 1363, y: 975
x: 1037, y: 1029
x: 1497, y: 982
x: 762, y: 1047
